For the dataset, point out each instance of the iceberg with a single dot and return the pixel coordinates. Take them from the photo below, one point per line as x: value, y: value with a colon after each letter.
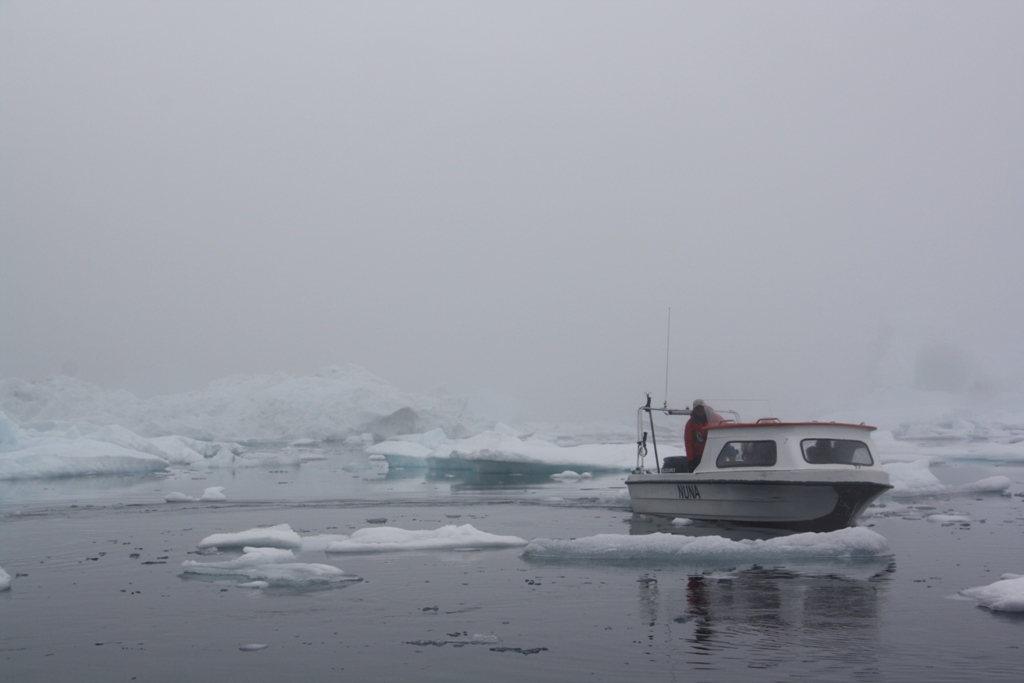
x: 333, y: 403
x: 495, y: 451
x: 915, y: 478
x: 845, y: 544
x: 62, y: 457
x: 1005, y: 595
x: 5, y: 580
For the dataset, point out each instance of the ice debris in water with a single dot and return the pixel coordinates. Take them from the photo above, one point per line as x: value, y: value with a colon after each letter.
x: 852, y: 543
x: 449, y: 537
x: 213, y: 494
x: 276, y: 566
x: 279, y: 536
x: 5, y: 580
x: 253, y: 647
x: 569, y: 475
x: 1005, y: 595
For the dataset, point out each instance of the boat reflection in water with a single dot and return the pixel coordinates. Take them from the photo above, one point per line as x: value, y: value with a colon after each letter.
x: 785, y: 619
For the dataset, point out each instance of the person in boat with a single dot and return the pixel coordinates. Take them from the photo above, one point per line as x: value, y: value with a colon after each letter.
x: 695, y: 434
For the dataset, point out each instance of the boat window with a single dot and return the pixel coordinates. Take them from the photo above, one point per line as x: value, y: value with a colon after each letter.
x: 747, y: 454
x: 836, y: 452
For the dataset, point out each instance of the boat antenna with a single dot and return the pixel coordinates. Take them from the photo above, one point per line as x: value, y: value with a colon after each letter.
x: 668, y: 341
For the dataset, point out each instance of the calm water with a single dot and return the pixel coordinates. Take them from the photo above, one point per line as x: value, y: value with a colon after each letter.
x: 82, y: 608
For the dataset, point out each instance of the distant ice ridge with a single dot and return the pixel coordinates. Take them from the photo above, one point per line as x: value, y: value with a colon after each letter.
x: 1005, y: 595
x: 846, y: 544
x: 333, y: 403
x: 436, y: 451
x: 275, y: 567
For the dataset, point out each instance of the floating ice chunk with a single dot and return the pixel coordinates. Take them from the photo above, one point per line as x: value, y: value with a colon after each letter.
x: 943, y: 519
x: 253, y: 647
x: 178, y: 497
x: 319, y: 542
x: 915, y: 477
x: 1005, y: 595
x: 449, y: 537
x: 213, y: 494
x: 682, y: 521
x: 275, y: 566
x: 852, y: 543
x: 408, y: 449
x: 994, y: 484
x: 5, y: 580
x: 279, y: 536
x: 255, y: 585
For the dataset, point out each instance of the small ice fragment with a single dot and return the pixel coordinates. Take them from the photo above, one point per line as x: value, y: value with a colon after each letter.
x: 178, y: 497
x: 253, y: 647
x: 1005, y: 595
x: 254, y: 584
x: 5, y: 580
x: 682, y: 521
x: 213, y: 494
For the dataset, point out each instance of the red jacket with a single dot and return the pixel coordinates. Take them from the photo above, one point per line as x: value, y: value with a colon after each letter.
x: 695, y: 435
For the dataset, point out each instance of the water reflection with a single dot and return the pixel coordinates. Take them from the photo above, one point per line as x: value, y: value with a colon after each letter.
x: 770, y: 617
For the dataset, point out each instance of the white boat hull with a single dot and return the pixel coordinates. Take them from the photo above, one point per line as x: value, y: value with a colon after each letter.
x: 811, y: 500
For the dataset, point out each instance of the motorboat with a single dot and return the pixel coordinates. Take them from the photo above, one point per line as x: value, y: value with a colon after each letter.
x: 807, y: 476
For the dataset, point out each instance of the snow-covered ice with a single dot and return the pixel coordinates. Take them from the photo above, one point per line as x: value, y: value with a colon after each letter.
x: 449, y: 537
x: 844, y: 544
x: 275, y: 566
x: 1005, y: 595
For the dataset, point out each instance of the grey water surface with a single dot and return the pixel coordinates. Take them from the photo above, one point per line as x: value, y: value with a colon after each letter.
x: 98, y: 593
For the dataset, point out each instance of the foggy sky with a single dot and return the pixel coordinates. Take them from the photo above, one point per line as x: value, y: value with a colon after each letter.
x: 508, y: 197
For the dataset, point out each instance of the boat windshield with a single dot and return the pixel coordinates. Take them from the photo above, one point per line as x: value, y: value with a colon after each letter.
x: 836, y: 452
x: 747, y: 454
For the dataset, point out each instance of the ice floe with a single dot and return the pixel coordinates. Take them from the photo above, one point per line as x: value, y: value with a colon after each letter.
x: 844, y: 544
x: 450, y: 537
x: 1005, y: 595
x: 5, y: 580
x: 276, y: 567
x: 279, y: 536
